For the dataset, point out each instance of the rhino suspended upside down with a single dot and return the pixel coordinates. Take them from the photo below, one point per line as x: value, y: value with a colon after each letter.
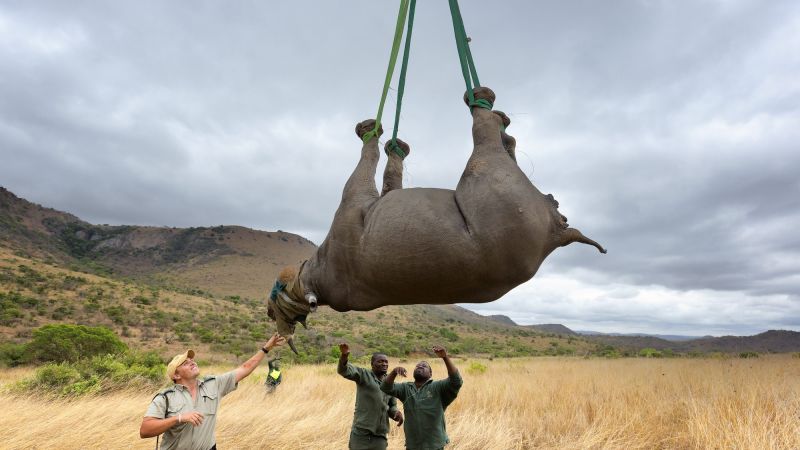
x: 424, y: 245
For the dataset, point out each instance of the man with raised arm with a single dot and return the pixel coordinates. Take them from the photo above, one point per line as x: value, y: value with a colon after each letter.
x: 424, y: 401
x: 373, y: 407
x: 186, y: 412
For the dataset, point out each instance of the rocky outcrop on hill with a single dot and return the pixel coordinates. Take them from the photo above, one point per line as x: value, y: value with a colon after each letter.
x: 556, y: 328
x: 502, y: 319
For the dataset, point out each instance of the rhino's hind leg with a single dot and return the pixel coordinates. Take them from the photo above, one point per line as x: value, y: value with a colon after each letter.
x: 393, y: 174
x: 360, y: 187
x: 509, y: 143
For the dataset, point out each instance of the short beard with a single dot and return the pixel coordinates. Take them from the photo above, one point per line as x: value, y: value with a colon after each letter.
x: 420, y: 377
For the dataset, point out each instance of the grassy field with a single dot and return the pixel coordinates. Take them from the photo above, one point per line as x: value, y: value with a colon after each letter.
x: 543, y: 403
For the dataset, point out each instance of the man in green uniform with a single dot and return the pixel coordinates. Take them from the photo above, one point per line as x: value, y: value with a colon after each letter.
x: 186, y: 412
x: 373, y: 407
x: 424, y: 402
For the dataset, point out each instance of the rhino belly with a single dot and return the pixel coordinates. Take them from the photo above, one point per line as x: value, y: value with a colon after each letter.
x: 415, y: 243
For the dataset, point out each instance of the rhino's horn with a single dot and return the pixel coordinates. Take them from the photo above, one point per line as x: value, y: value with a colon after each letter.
x: 290, y: 341
x: 571, y: 235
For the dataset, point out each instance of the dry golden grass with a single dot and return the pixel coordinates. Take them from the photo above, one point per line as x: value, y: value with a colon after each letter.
x: 543, y: 403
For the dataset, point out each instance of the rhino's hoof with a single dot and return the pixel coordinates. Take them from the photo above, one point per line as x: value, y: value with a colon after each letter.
x: 402, y: 147
x: 503, y: 117
x: 481, y: 93
x: 366, y: 126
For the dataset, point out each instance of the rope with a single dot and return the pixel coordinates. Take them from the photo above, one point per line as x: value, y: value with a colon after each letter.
x: 402, y: 82
x: 398, y: 34
x: 465, y: 57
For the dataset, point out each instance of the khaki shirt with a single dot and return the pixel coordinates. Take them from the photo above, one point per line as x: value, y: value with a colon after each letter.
x: 185, y: 436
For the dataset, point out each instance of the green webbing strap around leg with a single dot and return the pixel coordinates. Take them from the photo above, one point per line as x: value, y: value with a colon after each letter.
x: 465, y: 57
x: 402, y: 82
x: 398, y: 34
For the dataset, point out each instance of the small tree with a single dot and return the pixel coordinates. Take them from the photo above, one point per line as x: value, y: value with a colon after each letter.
x: 62, y: 342
x: 650, y: 353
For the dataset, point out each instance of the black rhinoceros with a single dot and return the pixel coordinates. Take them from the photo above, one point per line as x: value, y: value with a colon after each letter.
x: 423, y: 245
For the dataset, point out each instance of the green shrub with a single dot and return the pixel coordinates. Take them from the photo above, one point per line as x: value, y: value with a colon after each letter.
x: 141, y: 300
x: 476, y: 368
x: 9, y: 314
x: 607, y: 351
x: 105, y: 372
x: 448, y: 334
x: 56, y: 375
x: 117, y: 314
x: 650, y: 353
x: 63, y: 342
x: 12, y: 355
x: 61, y: 312
x: 748, y: 355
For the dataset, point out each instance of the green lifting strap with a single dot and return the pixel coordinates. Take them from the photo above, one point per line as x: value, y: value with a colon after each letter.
x: 465, y: 57
x: 402, y: 82
x: 398, y: 34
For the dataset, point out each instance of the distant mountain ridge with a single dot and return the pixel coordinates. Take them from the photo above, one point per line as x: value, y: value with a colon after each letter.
x: 772, y: 341
x: 666, y: 337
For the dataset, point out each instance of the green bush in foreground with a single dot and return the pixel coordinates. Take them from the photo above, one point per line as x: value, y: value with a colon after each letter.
x: 100, y: 373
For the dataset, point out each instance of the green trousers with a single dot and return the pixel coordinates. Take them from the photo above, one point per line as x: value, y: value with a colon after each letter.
x: 367, y: 441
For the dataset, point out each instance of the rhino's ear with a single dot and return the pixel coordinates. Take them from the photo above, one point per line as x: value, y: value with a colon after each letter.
x: 287, y: 275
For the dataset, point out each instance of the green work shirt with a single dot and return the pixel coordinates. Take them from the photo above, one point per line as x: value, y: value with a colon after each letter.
x: 424, y: 410
x: 373, y: 407
x: 185, y: 436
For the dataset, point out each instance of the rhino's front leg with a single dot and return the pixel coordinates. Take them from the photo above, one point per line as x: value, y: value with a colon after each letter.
x: 393, y: 174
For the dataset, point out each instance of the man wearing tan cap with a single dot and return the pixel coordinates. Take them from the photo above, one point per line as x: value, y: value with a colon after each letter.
x: 186, y: 412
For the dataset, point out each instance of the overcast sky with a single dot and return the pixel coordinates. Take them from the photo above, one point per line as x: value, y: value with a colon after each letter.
x: 669, y: 131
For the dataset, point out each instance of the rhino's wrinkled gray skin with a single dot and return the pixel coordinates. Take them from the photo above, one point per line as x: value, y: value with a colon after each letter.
x: 437, y: 246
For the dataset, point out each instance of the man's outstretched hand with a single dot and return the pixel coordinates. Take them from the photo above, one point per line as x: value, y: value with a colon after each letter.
x: 399, y: 371
x: 276, y: 340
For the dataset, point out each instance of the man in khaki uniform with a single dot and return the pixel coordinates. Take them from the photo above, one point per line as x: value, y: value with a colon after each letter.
x: 186, y: 412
